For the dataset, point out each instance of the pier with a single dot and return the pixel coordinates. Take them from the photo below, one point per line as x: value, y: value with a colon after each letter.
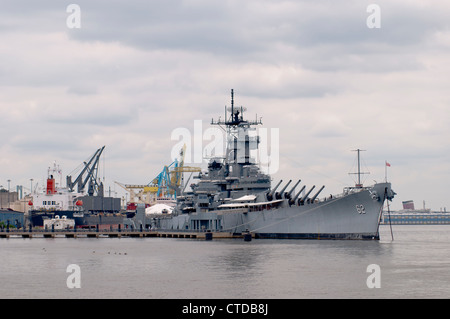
x: 94, y: 233
x: 75, y: 234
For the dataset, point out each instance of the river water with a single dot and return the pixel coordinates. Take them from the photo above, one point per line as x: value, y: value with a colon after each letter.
x: 416, y: 264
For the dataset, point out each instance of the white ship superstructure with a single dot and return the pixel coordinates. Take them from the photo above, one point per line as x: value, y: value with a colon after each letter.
x: 54, y: 197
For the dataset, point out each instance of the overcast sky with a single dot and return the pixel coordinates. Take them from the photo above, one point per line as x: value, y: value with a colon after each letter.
x: 135, y: 71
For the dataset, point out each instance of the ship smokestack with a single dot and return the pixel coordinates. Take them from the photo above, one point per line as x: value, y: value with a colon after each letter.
x: 51, y: 186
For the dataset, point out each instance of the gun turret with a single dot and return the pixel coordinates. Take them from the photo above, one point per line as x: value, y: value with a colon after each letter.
x: 292, y: 201
x: 279, y: 194
x: 317, y: 194
x: 270, y: 194
x: 302, y: 200
x: 288, y: 195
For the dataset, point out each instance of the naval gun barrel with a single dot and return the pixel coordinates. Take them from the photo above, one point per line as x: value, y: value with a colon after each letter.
x: 270, y: 194
x: 288, y: 195
x: 306, y: 195
x: 317, y: 194
x: 296, y: 196
x: 279, y: 194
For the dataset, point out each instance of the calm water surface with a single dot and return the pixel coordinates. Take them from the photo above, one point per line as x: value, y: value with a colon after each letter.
x: 415, y: 265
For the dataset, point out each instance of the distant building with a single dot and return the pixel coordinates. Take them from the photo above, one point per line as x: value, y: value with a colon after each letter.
x: 6, y: 198
x: 10, y: 217
x: 409, y: 215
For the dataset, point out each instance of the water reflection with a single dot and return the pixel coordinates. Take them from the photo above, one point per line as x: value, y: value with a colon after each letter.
x: 415, y: 262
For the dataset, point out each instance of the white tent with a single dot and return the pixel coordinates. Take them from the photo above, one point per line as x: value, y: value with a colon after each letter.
x: 159, y: 209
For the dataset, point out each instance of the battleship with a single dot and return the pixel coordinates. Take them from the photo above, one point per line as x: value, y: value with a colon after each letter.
x: 233, y: 195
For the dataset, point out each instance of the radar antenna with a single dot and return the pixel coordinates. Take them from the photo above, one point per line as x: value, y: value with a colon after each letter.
x: 237, y: 116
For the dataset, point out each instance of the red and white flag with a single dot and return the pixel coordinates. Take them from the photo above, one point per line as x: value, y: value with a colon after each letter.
x: 387, y: 164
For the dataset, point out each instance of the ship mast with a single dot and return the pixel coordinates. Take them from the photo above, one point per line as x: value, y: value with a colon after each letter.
x: 237, y: 131
x: 236, y: 118
x: 359, y: 173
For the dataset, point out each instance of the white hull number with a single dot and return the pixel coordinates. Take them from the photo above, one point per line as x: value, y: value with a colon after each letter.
x: 360, y: 209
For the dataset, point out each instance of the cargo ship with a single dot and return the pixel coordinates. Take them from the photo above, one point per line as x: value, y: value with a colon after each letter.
x: 89, y: 209
x: 235, y: 196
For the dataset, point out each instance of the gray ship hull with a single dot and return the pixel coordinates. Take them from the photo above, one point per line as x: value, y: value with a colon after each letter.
x: 355, y: 216
x: 236, y: 197
x: 352, y: 215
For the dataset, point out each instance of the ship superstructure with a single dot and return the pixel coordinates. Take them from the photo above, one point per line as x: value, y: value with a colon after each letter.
x: 234, y: 196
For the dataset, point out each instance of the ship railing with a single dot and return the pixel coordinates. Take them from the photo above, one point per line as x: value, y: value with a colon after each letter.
x: 346, y: 191
x: 352, y: 190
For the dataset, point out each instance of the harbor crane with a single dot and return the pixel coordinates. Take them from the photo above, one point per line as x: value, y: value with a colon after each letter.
x: 170, y: 179
x: 167, y: 184
x: 87, y: 176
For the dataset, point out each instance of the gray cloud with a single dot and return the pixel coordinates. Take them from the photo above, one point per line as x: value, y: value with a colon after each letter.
x: 136, y: 70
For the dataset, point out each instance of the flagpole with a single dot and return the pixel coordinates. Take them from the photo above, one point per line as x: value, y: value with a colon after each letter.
x: 386, y: 164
